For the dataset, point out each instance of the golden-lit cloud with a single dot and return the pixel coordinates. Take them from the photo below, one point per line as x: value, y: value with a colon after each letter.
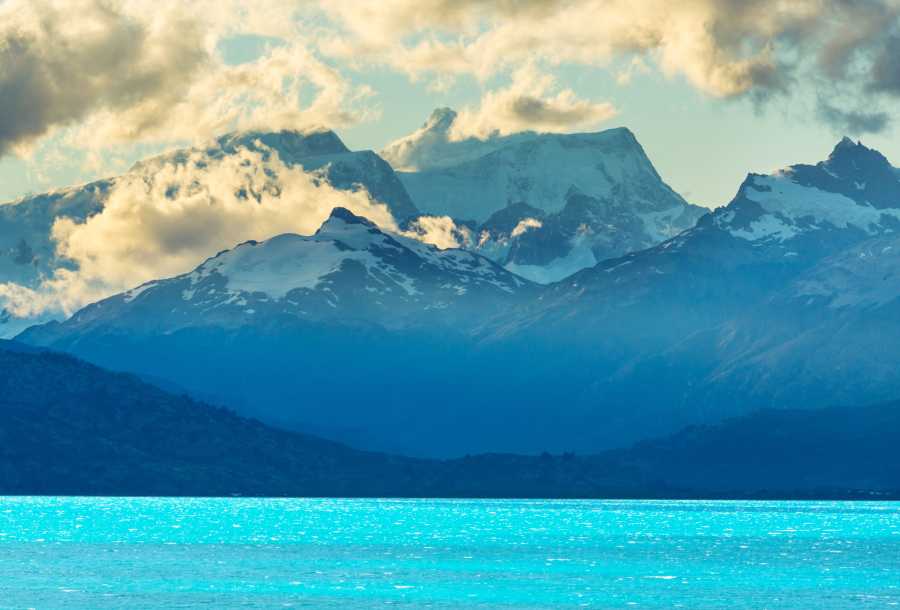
x: 118, y: 72
x: 531, y: 102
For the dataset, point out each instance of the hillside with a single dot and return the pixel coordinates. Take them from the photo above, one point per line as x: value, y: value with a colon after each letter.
x: 70, y: 428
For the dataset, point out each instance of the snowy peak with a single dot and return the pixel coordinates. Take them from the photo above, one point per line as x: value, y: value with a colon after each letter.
x: 340, y: 218
x: 354, y: 232
x: 854, y: 161
x: 849, y: 158
x: 856, y: 190
x: 540, y: 170
x: 348, y: 272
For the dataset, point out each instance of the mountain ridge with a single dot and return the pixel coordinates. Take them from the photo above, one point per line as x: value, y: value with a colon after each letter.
x: 70, y: 428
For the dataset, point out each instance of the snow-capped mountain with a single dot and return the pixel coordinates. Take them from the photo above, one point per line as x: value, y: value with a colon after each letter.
x: 787, y: 297
x: 352, y: 332
x: 581, y: 198
x: 349, y: 271
x: 853, y: 194
x: 28, y: 252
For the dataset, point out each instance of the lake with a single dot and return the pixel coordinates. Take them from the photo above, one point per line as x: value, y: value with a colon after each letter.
x: 348, y: 553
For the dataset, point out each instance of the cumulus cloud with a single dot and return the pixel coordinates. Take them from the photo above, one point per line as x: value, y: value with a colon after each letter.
x: 59, y: 63
x: 166, y: 218
x: 524, y: 225
x: 440, y: 231
x: 169, y: 215
x: 124, y: 71
x: 263, y: 94
x: 529, y: 103
x: 724, y: 48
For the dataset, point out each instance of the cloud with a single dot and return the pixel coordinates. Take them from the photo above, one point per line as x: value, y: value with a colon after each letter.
x: 854, y: 122
x: 440, y: 231
x: 263, y: 94
x: 118, y: 72
x: 166, y: 218
x: 529, y: 104
x: 727, y: 49
x: 524, y: 225
x: 61, y: 62
x: 885, y: 72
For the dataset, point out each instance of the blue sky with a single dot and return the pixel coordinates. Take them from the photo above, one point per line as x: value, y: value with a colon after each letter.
x: 709, y: 103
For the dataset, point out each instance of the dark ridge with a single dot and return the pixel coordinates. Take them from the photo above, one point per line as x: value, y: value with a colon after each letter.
x: 71, y: 428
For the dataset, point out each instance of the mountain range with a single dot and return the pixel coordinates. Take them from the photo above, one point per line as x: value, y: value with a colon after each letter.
x: 548, y: 205
x: 786, y: 298
x: 575, y: 199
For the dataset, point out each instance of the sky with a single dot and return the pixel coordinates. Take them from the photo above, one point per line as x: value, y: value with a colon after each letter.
x: 713, y: 89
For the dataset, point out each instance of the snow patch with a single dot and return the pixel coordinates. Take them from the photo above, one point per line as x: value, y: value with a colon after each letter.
x: 791, y: 207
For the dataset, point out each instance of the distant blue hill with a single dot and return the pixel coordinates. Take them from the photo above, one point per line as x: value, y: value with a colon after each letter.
x: 71, y: 428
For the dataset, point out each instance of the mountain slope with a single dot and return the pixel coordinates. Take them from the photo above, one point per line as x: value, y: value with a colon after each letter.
x: 71, y: 428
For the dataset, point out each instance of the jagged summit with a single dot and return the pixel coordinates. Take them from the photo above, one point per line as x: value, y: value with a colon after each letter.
x: 854, y: 190
x: 355, y: 232
x: 441, y: 119
x: 850, y: 158
x: 344, y: 215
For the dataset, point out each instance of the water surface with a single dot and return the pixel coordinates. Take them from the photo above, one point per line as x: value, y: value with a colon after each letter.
x: 323, y: 553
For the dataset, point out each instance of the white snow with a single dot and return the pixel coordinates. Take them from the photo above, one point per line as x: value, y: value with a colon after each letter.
x: 283, y: 263
x: 579, y: 257
x: 538, y: 172
x: 790, y: 205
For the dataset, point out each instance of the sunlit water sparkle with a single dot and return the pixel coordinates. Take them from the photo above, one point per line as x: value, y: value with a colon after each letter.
x: 327, y: 553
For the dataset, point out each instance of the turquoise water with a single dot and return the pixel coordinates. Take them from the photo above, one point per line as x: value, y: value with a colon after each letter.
x: 319, y: 553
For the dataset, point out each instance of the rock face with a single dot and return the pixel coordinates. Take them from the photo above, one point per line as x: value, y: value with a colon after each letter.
x: 28, y: 252
x: 598, y: 194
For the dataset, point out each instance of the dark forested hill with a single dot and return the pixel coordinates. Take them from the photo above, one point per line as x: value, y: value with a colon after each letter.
x: 68, y: 427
